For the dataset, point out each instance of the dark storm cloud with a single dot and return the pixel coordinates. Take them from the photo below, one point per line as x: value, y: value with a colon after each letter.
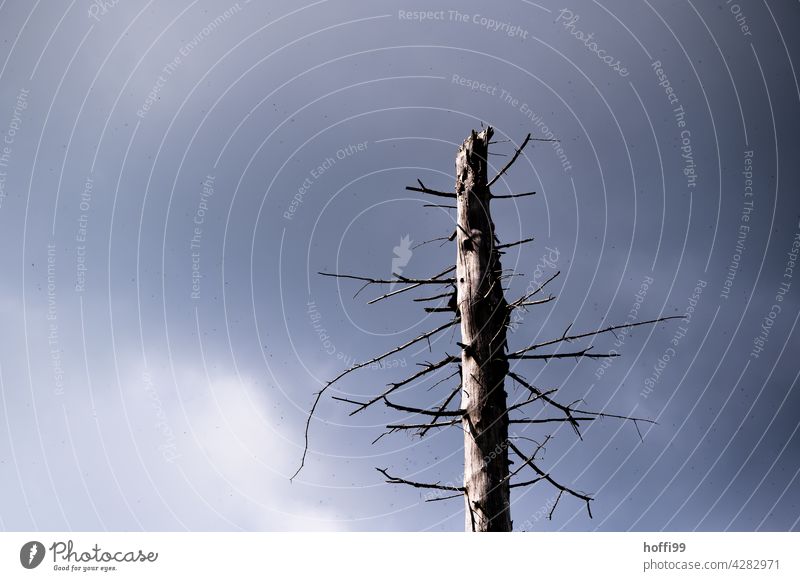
x: 174, y: 176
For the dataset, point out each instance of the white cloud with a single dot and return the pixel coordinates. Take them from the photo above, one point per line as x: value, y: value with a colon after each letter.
x: 222, y: 434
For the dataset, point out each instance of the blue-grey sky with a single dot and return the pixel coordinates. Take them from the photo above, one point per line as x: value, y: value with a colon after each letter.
x: 173, y: 175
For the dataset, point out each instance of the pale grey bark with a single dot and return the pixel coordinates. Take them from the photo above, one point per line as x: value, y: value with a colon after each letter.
x: 484, y: 318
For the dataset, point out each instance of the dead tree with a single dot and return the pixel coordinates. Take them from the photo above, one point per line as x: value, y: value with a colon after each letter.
x: 484, y: 318
x: 475, y: 298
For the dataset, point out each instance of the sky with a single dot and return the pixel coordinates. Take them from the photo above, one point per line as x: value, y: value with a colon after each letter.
x: 174, y: 176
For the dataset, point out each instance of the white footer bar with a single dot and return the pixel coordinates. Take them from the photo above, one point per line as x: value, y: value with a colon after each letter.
x: 400, y: 556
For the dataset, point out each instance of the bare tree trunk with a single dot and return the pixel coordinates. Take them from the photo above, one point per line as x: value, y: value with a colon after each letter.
x: 484, y: 317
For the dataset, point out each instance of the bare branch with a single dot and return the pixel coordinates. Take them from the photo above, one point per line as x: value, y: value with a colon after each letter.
x: 568, y: 410
x: 442, y: 408
x: 353, y: 368
x: 552, y: 420
x: 397, y: 280
x: 636, y: 425
x: 439, y: 309
x: 425, y: 190
x: 445, y: 238
x: 581, y: 353
x: 529, y: 462
x: 346, y: 400
x: 526, y: 438
x: 511, y: 161
x: 546, y: 397
x: 535, y: 292
x: 509, y: 196
x: 433, y: 298
x: 429, y: 367
x: 425, y: 427
x: 530, y: 400
x: 408, y: 288
x: 610, y: 329
x: 449, y: 497
x: 456, y: 372
x: 555, y: 504
x: 533, y: 457
x: 532, y: 303
x: 525, y: 482
x: 394, y: 480
x: 517, y: 243
x: 435, y: 413
x: 541, y: 446
x: 375, y: 441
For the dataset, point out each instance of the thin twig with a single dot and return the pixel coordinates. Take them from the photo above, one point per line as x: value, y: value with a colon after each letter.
x: 531, y: 303
x: 424, y: 412
x: 517, y: 243
x: 394, y: 480
x: 429, y: 367
x: 511, y: 162
x: 442, y: 408
x: 353, y: 368
x: 576, y: 354
x: 456, y: 372
x: 399, y: 279
x: 535, y: 292
x: 555, y: 504
x: 509, y: 196
x: 612, y: 328
x: 552, y: 420
x: 426, y: 190
x: 429, y: 425
x: 450, y: 497
x: 441, y: 296
x: 530, y: 400
x: 428, y: 242
x: 568, y: 410
x: 529, y: 462
x: 408, y: 288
